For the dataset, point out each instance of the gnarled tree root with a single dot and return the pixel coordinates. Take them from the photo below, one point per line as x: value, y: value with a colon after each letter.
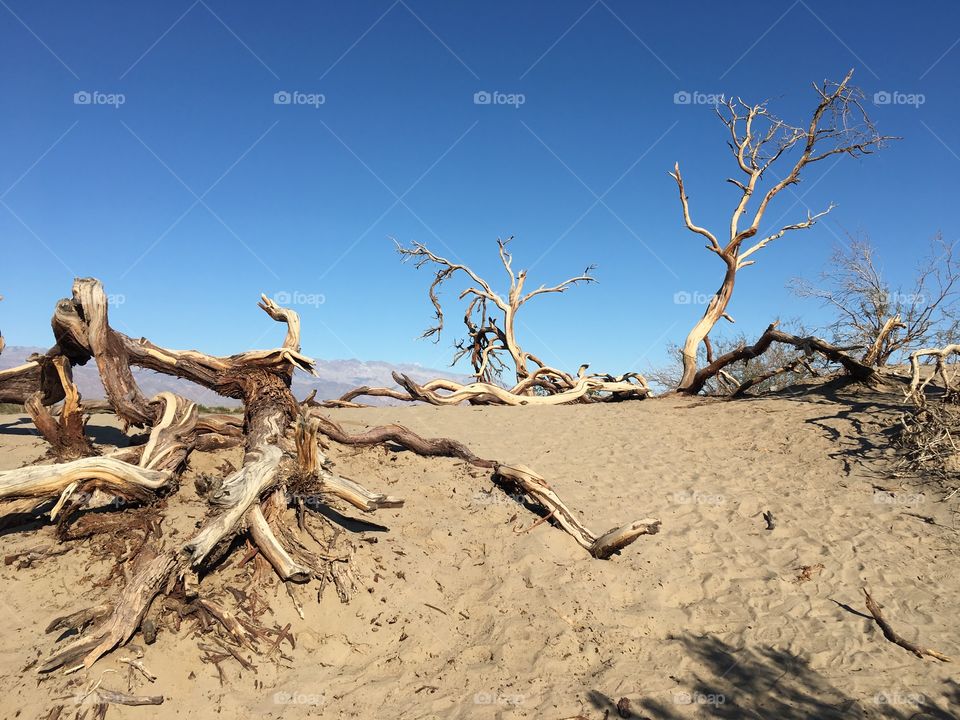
x: 281, y: 449
x: 127, y: 615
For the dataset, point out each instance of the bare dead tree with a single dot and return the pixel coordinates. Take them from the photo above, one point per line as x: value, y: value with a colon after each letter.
x: 491, y: 343
x: 760, y: 142
x: 490, y: 317
x: 887, y: 321
x: 261, y: 503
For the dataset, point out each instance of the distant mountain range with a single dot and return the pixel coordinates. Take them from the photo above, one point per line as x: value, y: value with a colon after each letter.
x: 335, y: 378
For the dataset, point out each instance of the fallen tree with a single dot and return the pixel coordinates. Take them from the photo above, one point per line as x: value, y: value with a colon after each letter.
x: 283, y: 463
x: 491, y: 338
x: 809, y: 345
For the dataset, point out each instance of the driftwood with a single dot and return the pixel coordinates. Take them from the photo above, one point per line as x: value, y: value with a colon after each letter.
x: 564, y: 389
x: 893, y: 637
x: 66, y: 433
x: 283, y: 461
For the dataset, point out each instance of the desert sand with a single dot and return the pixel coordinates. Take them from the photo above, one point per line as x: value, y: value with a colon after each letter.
x: 468, y: 610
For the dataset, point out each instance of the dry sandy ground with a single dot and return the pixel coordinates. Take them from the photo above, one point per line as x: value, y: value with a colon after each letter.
x: 710, y: 618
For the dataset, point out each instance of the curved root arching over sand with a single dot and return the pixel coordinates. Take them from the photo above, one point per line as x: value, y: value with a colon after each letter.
x: 283, y: 461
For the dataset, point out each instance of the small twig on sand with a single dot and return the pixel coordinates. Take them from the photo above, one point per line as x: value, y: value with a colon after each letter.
x: 890, y: 635
x: 539, y: 522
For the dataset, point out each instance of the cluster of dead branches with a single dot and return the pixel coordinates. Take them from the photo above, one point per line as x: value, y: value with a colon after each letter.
x: 929, y: 431
x: 492, y: 346
x: 261, y: 503
x: 888, y: 321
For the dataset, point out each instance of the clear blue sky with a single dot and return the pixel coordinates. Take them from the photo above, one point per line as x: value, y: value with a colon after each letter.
x: 199, y: 192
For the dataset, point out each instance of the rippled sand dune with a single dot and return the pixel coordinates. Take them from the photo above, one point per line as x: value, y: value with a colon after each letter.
x: 471, y: 611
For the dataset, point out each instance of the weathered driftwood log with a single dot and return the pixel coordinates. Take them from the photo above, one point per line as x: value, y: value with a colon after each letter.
x: 855, y: 368
x: 43, y: 482
x: 556, y: 388
x: 585, y: 387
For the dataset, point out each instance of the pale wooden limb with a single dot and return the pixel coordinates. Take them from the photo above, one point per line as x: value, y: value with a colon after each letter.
x: 108, y: 474
x: 600, y: 546
x: 235, y: 497
x: 873, y: 353
x: 355, y: 494
x: 520, y: 476
x: 172, y: 436
x: 918, y: 386
x: 487, y: 392
x: 273, y: 551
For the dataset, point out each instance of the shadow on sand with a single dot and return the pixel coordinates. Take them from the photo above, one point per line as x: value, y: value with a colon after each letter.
x: 772, y: 684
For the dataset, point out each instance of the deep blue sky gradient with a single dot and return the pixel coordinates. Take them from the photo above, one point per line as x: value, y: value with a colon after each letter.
x: 302, y: 199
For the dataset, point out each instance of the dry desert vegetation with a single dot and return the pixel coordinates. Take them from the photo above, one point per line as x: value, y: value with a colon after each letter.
x: 766, y: 529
